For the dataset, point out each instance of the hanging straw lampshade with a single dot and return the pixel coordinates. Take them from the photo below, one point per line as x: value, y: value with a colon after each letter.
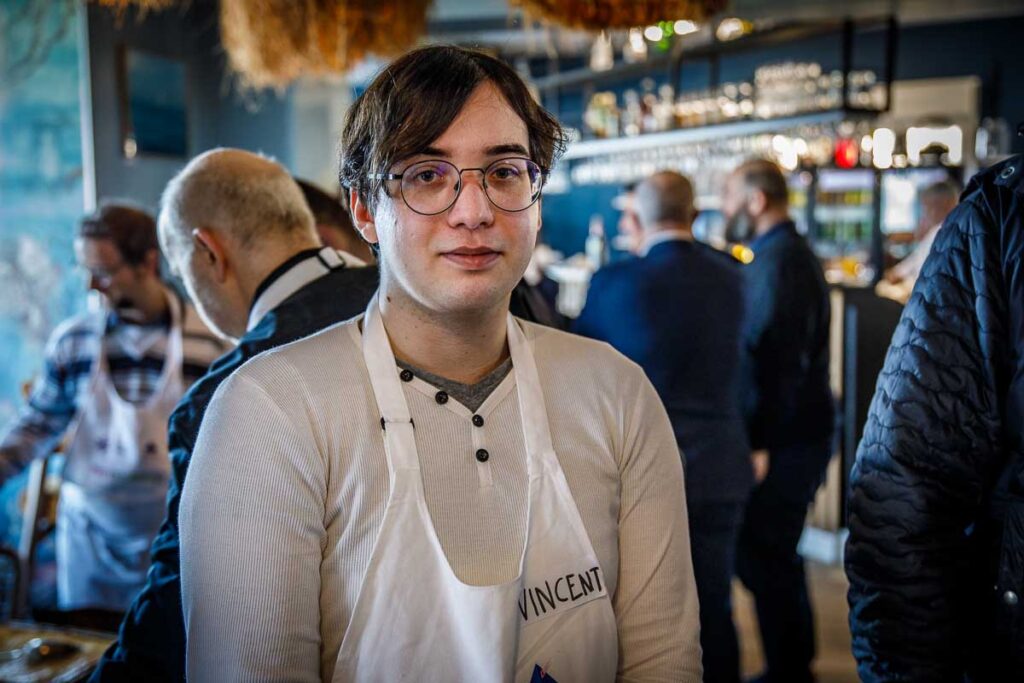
x: 596, y: 15
x: 270, y: 43
x: 144, y: 5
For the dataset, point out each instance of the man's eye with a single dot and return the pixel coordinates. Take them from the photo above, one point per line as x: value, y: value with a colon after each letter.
x: 429, y: 175
x: 505, y: 173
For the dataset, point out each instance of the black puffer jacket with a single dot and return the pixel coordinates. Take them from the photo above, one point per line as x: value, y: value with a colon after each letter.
x: 936, y: 550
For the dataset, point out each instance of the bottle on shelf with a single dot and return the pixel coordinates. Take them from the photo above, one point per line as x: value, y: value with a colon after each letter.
x: 632, y: 114
x: 648, y: 104
x: 663, y: 108
x: 595, y: 247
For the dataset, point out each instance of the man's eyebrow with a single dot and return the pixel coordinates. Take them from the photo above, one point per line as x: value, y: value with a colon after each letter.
x: 432, y: 152
x: 495, y: 150
x: 507, y: 149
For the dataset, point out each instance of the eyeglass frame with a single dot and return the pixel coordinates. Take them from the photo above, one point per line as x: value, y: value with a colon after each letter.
x: 104, y: 279
x: 544, y: 172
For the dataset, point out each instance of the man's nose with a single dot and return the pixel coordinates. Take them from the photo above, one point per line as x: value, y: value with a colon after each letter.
x: 472, y: 208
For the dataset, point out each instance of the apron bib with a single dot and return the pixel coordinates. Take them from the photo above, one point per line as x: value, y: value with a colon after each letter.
x: 414, y: 620
x: 115, y: 483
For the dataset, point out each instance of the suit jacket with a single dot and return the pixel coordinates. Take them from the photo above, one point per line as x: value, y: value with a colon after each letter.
x: 678, y: 313
x: 151, y: 643
x: 786, y: 390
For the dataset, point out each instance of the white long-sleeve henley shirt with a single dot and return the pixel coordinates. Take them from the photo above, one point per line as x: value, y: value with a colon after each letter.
x: 289, y: 483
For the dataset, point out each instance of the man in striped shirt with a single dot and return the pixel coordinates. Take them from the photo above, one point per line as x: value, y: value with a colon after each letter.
x: 109, y: 382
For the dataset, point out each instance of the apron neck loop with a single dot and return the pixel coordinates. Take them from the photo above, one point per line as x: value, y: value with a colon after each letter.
x: 532, y: 408
x: 380, y: 363
x: 394, y: 410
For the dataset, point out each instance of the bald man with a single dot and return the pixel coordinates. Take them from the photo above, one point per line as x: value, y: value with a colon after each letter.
x: 236, y: 229
x: 677, y: 310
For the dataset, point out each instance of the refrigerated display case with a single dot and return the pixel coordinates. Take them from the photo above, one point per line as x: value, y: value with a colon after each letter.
x: 901, y: 209
x: 801, y: 187
x: 844, y: 224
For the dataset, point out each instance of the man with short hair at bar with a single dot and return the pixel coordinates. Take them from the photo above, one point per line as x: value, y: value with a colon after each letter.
x: 678, y: 311
x: 788, y: 407
x: 438, y: 491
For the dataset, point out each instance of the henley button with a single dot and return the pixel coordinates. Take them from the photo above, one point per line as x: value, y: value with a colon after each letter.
x: 482, y: 455
x: 441, y: 397
x: 1010, y: 598
x: 478, y: 421
x: 405, y: 375
x: 1007, y: 172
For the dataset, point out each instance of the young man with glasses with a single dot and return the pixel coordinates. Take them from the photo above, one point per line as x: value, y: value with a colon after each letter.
x: 437, y: 491
x: 115, y: 378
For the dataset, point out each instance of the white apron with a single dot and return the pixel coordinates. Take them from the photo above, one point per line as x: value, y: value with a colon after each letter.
x: 112, y: 501
x: 414, y: 620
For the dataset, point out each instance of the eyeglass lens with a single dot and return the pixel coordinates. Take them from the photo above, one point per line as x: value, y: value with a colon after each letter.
x: 430, y: 187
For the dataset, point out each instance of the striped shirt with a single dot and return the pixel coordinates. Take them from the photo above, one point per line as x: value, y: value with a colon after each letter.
x: 135, y: 355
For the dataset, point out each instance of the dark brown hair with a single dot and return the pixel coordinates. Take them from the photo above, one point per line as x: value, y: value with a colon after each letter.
x: 414, y: 100
x: 132, y: 230
x: 765, y: 176
x: 327, y: 210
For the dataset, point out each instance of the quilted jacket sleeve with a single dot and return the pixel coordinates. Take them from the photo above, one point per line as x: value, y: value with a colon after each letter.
x: 930, y: 447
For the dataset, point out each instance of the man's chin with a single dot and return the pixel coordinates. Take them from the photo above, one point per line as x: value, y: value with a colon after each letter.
x: 470, y: 299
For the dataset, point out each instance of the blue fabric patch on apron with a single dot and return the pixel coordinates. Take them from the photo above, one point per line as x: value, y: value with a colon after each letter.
x: 540, y: 676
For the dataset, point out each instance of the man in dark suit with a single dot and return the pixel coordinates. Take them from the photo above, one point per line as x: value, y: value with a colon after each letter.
x: 788, y: 407
x: 235, y: 227
x: 677, y: 311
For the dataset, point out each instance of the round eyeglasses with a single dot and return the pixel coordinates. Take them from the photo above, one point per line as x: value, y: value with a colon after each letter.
x: 431, y: 187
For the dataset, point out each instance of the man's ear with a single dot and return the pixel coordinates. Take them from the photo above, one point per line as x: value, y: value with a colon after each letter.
x: 540, y: 213
x: 210, y: 249
x: 362, y: 217
x: 151, y: 262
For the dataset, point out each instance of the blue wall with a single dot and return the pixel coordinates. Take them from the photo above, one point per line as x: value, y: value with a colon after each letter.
x: 991, y: 49
x: 40, y: 200
x: 41, y: 197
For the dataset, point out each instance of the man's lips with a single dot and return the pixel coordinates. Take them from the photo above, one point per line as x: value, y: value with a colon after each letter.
x: 472, y: 258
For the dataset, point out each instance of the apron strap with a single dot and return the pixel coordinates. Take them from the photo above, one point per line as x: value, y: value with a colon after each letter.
x: 536, y: 430
x: 395, y: 420
x: 331, y: 259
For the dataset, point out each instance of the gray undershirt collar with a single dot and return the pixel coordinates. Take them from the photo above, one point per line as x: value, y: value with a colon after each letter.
x: 470, y: 395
